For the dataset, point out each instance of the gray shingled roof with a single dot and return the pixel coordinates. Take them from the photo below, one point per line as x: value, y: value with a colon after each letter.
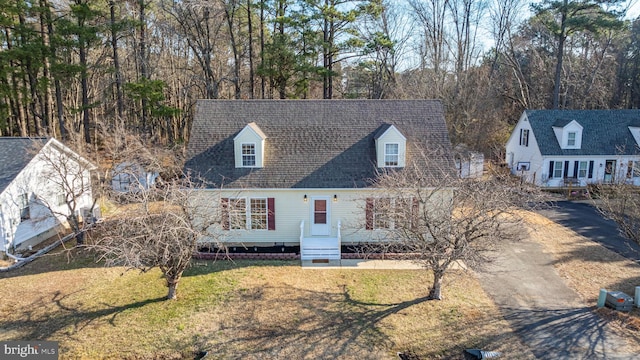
x: 605, y: 132
x: 311, y: 143
x: 15, y: 154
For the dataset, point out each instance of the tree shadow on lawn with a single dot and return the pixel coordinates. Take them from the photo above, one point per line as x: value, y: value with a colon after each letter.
x: 61, y: 259
x: 46, y: 317
x: 321, y: 325
x: 324, y: 325
x: 565, y: 333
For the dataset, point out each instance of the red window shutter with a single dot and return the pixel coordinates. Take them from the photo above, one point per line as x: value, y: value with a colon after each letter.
x: 271, y: 214
x: 225, y: 213
x: 369, y: 214
x: 415, y: 212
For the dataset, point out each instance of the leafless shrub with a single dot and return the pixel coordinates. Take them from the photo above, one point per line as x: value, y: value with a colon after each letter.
x: 620, y: 202
x: 160, y: 227
x: 437, y: 219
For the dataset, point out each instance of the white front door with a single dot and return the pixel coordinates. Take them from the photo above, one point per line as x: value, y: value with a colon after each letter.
x: 320, y: 215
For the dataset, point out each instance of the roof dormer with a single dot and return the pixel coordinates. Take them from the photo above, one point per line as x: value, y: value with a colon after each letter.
x: 248, y: 147
x: 635, y: 131
x: 568, y: 133
x: 391, y: 147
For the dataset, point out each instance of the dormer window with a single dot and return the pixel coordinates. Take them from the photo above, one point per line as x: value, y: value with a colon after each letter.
x: 391, y: 147
x: 391, y: 154
x: 249, y: 147
x: 248, y: 155
x: 635, y: 131
x: 568, y: 133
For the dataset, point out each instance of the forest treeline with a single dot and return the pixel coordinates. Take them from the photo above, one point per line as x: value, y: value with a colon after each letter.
x: 89, y: 67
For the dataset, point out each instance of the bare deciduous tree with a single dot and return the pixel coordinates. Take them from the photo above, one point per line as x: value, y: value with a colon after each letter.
x: 437, y: 219
x: 620, y: 202
x: 160, y: 227
x: 68, y: 194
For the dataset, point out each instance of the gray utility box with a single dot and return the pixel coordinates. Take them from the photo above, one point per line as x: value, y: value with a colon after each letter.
x: 618, y: 300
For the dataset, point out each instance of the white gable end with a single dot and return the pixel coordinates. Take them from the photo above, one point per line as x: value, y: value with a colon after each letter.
x: 391, y: 148
x: 249, y: 147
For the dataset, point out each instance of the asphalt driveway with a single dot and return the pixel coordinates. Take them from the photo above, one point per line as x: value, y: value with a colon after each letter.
x: 549, y: 316
x: 587, y: 221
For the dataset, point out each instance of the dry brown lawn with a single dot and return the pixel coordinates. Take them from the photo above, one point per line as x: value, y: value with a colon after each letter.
x: 247, y: 310
x: 277, y: 310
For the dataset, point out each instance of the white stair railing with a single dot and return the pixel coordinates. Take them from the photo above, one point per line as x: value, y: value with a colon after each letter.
x: 301, y: 236
x: 339, y: 236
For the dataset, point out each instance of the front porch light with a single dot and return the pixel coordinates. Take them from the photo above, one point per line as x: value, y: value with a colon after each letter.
x: 305, y: 198
x: 335, y: 198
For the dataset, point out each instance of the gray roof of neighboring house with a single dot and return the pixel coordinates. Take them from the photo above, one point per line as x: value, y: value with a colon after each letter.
x: 15, y: 154
x: 605, y: 132
x: 312, y: 143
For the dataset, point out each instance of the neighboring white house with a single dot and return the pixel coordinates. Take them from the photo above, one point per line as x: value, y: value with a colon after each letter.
x: 132, y: 177
x: 469, y: 163
x: 298, y: 172
x: 559, y: 148
x: 33, y: 201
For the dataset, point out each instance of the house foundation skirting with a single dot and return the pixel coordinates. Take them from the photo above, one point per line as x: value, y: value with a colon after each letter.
x: 291, y: 256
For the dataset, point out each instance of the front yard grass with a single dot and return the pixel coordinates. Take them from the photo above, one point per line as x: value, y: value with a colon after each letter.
x: 248, y: 310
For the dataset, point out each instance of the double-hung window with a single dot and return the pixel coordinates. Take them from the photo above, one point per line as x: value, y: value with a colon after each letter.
x: 248, y: 214
x: 557, y: 169
x: 633, y: 169
x: 381, y: 213
x: 248, y: 155
x: 391, y: 154
x: 390, y: 213
x: 25, y: 211
x: 582, y: 169
x: 524, y: 137
x: 258, y: 211
x: 237, y: 214
x: 571, y: 139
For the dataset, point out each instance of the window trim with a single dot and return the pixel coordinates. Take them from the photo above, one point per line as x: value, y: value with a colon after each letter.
x: 254, y: 155
x: 524, y: 137
x: 397, y: 154
x: 229, y: 209
x: 557, y: 166
x: 371, y: 212
x: 233, y: 208
x: 24, y: 207
x: 569, y: 139
x: 250, y: 214
x: 586, y: 169
x: 61, y: 199
x: 633, y: 170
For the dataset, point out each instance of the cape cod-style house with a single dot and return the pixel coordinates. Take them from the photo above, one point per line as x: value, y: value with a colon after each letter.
x: 298, y: 172
x: 32, y: 205
x: 560, y: 148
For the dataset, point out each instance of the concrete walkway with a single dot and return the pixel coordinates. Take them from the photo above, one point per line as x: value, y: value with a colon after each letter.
x: 363, y: 264
x: 548, y: 315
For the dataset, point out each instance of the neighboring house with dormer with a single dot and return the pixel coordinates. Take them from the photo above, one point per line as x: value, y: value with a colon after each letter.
x: 559, y: 148
x: 298, y: 172
x: 33, y: 201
